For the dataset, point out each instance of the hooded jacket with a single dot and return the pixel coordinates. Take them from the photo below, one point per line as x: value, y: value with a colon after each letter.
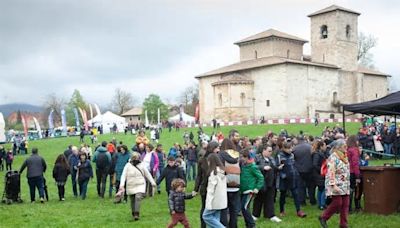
x: 216, y: 198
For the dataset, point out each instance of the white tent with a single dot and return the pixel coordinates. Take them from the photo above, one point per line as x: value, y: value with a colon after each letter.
x: 107, y: 120
x: 185, y: 118
x: 2, y: 130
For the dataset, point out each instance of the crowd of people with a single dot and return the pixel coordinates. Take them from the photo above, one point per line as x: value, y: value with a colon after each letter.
x: 232, y: 175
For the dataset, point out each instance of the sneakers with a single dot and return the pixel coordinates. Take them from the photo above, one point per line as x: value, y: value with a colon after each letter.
x: 275, y: 219
x: 282, y: 214
x: 62, y: 199
x: 41, y: 200
x: 322, y: 222
x: 301, y: 214
x: 254, y: 218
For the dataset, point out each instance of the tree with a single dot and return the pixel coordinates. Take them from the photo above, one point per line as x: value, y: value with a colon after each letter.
x: 76, y: 101
x: 19, y: 117
x: 189, y: 99
x: 122, y: 101
x: 55, y: 103
x: 365, y: 44
x: 151, y: 105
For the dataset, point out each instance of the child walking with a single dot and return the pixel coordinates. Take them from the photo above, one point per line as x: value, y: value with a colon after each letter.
x: 60, y: 175
x: 251, y: 181
x: 176, y: 201
x: 217, y: 198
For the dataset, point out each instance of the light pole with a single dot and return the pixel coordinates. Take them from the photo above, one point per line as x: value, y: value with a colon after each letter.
x: 254, y: 108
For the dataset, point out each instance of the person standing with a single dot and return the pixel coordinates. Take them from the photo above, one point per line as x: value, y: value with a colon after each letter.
x: 319, y: 156
x: 84, y: 173
x: 121, y: 158
x: 73, y: 161
x: 9, y: 160
x: 191, y: 161
x: 161, y: 164
x: 102, y: 158
x: 150, y: 162
x: 353, y: 154
x: 337, y: 184
x: 61, y: 171
x: 303, y: 163
x: 36, y: 166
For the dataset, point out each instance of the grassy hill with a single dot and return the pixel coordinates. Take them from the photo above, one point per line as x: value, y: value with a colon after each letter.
x: 96, y: 212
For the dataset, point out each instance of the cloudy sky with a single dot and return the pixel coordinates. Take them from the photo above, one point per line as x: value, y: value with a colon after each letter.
x: 153, y: 46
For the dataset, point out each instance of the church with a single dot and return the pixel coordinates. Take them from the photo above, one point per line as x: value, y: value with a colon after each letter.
x: 274, y: 79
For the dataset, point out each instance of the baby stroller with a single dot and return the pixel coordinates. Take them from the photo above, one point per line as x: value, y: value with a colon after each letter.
x: 12, y: 188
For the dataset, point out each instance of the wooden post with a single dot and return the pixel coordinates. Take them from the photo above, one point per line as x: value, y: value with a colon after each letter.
x: 344, y: 121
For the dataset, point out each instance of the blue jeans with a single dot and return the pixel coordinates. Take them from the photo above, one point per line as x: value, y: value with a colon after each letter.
x: 158, y: 174
x: 248, y: 218
x: 191, y: 165
x: 212, y: 218
x: 36, y: 182
x: 282, y: 199
x: 233, y: 208
x: 321, y: 196
x: 83, y: 188
x: 388, y: 148
x: 74, y: 188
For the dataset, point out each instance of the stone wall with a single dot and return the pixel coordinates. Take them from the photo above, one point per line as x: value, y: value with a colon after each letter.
x: 271, y: 47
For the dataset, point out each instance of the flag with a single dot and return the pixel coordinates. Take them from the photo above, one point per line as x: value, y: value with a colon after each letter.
x: 2, y: 128
x: 158, y: 116
x: 91, y: 111
x: 76, y: 118
x: 64, y: 121
x: 181, y: 113
x: 146, y: 122
x: 51, y: 123
x: 97, y: 109
x: 38, y: 128
x: 85, y: 120
x: 197, y: 113
x: 25, y: 124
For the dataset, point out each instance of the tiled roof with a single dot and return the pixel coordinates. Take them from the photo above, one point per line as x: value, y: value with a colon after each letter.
x: 270, y: 33
x: 332, y: 8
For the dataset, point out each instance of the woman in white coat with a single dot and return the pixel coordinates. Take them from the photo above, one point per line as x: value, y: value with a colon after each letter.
x: 134, y: 178
x: 216, y: 198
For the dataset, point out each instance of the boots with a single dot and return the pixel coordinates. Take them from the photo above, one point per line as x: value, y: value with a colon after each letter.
x: 135, y: 215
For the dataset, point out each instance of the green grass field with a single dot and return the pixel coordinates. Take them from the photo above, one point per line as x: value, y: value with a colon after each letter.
x: 96, y: 212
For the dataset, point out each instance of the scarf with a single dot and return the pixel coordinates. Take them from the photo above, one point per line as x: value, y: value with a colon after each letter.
x: 342, y: 156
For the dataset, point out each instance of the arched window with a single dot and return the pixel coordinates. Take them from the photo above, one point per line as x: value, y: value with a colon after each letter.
x: 288, y: 53
x: 242, y: 98
x: 348, y: 31
x: 220, y: 99
x: 334, y: 97
x: 324, y: 32
x: 255, y: 55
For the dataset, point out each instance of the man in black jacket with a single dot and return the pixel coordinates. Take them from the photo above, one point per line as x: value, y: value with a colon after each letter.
x: 36, y: 167
x: 303, y: 163
x: 171, y: 172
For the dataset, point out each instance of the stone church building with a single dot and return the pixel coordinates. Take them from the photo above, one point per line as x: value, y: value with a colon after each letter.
x: 274, y: 79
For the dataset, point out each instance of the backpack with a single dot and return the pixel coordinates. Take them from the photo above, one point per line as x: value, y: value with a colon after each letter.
x: 102, y: 161
x: 324, y: 168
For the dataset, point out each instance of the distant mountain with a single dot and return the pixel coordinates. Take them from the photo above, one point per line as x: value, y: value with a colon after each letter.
x: 7, y: 109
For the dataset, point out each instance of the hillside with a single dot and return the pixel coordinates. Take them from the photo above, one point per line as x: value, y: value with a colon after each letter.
x: 6, y: 109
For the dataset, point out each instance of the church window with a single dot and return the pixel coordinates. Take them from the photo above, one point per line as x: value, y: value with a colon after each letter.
x: 348, y: 31
x: 267, y: 103
x: 334, y: 97
x: 242, y: 98
x: 287, y: 53
x: 324, y: 32
x: 376, y: 95
x: 220, y: 99
x: 255, y: 54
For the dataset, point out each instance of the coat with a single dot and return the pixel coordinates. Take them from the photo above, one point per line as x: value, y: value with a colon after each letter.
x: 338, y: 174
x: 36, y: 166
x: 288, y: 177
x: 176, y: 201
x: 202, y: 177
x: 120, y: 162
x: 302, y: 156
x: 353, y: 153
x: 60, y: 173
x: 153, y: 162
x: 217, y: 197
x: 270, y: 175
x: 170, y: 173
x: 85, y: 171
x: 318, y: 157
x: 250, y: 178
x: 135, y: 178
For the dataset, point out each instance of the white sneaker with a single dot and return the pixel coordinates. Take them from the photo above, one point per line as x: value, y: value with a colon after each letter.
x: 254, y: 218
x: 276, y: 219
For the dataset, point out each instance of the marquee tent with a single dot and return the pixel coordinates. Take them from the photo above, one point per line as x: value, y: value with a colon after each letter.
x: 388, y: 105
x: 107, y: 121
x: 185, y: 118
x: 2, y: 128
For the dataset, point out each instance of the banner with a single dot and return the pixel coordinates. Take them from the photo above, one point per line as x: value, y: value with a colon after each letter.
x: 64, y: 121
x: 91, y: 111
x: 97, y: 109
x: 25, y: 124
x: 181, y: 113
x: 78, y: 126
x: 38, y: 128
x: 2, y: 128
x: 85, y: 120
x: 146, y: 122
x: 51, y: 123
x: 197, y: 113
x: 158, y: 116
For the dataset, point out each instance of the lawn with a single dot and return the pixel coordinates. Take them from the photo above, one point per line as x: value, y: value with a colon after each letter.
x: 154, y: 211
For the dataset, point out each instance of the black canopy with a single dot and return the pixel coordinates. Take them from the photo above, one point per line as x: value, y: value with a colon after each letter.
x: 388, y: 105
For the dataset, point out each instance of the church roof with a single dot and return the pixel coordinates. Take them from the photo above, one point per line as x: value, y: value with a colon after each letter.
x: 333, y: 8
x: 261, y: 62
x: 137, y: 111
x: 365, y: 70
x: 270, y: 33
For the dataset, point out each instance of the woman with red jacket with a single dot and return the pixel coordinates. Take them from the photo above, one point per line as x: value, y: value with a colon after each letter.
x: 353, y: 154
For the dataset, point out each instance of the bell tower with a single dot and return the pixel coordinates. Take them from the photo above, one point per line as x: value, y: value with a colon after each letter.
x: 334, y: 37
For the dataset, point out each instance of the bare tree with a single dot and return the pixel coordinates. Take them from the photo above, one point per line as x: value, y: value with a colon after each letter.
x: 54, y: 103
x: 122, y: 101
x: 189, y: 98
x: 365, y: 44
